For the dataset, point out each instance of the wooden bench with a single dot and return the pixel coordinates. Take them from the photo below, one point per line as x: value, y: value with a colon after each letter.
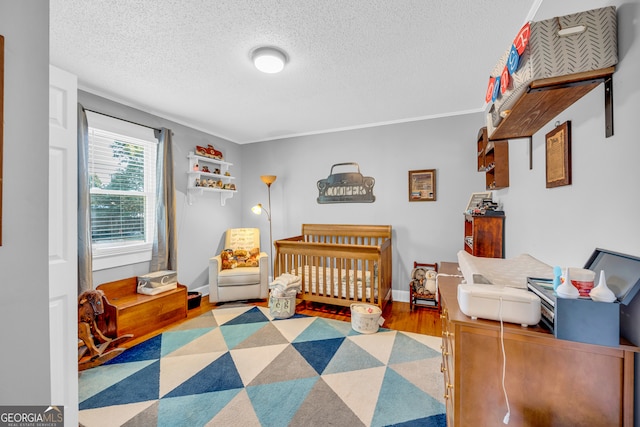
x: 128, y: 312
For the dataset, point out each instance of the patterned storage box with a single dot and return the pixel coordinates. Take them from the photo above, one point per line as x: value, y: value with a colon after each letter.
x: 558, y: 46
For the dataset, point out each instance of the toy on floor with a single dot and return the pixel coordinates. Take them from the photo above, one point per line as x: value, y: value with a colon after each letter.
x: 91, y: 340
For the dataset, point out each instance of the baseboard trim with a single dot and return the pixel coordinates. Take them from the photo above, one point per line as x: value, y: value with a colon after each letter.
x: 400, y: 296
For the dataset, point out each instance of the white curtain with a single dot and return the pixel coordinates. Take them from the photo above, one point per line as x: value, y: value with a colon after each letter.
x: 85, y: 260
x: 165, y: 243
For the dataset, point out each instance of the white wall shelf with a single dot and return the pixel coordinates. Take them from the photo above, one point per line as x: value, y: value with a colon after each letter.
x: 218, y: 174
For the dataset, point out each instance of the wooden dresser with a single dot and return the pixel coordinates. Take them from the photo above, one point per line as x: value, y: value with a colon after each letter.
x: 549, y: 382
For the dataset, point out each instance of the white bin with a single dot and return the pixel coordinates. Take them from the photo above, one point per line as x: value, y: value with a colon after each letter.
x: 365, y: 318
x: 282, y: 307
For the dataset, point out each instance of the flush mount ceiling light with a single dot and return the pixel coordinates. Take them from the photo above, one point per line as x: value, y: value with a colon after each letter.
x: 269, y: 59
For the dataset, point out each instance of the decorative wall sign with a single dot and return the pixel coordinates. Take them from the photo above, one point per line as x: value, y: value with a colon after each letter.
x: 558, y: 153
x: 422, y: 185
x: 346, y: 187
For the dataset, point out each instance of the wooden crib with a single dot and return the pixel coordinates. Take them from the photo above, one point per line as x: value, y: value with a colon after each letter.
x: 339, y: 264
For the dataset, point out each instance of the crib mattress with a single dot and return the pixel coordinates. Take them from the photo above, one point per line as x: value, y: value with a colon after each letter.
x: 353, y: 282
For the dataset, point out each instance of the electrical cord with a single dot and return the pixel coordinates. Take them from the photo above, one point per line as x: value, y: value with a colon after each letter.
x: 445, y: 275
x: 505, y: 420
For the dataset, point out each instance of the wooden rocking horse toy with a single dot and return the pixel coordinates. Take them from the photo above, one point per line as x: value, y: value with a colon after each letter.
x: 91, y: 340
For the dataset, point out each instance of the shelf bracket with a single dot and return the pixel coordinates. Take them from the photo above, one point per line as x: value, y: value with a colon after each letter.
x: 530, y: 138
x: 608, y: 106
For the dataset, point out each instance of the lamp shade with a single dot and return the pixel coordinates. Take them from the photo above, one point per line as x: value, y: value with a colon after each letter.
x: 257, y: 209
x: 269, y: 60
x: 268, y: 179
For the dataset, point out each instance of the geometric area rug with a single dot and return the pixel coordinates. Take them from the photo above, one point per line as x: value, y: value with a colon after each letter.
x: 238, y: 366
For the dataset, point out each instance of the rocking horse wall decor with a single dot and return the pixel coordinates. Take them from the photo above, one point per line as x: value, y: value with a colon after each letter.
x: 94, y: 348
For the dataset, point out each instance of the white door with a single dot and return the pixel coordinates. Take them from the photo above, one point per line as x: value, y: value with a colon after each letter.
x: 63, y: 254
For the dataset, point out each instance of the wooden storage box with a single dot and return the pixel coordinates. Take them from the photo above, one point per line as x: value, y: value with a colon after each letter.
x: 129, y: 312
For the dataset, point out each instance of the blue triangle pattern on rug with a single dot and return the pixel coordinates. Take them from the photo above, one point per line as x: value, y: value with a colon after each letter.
x: 172, y: 341
x: 439, y: 420
x: 236, y: 333
x: 275, y: 404
x: 401, y: 399
x: 318, y: 353
x: 139, y: 387
x: 179, y: 411
x: 320, y: 329
x: 350, y: 357
x: 407, y: 349
x: 96, y: 380
x: 219, y: 375
x: 203, y: 384
x: 146, y: 350
x: 253, y: 315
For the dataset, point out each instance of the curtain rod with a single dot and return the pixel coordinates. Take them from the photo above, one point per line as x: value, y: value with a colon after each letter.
x: 124, y: 120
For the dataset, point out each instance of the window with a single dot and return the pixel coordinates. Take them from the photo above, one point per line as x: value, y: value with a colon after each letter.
x: 122, y: 182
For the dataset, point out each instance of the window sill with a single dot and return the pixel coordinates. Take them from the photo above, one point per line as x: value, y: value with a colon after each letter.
x: 111, y: 258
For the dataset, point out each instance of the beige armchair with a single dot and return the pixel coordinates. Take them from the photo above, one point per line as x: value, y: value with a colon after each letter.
x: 239, y: 283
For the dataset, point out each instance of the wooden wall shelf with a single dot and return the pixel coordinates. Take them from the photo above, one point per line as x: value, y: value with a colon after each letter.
x: 493, y: 160
x: 546, y: 98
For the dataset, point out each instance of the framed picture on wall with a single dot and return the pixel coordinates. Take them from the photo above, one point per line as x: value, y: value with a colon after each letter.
x: 558, y: 156
x: 422, y: 185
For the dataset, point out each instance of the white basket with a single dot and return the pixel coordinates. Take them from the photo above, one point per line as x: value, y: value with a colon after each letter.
x: 282, y: 307
x: 365, y: 318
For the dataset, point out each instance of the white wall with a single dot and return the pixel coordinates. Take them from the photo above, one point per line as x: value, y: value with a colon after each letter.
x: 422, y: 231
x: 562, y: 226
x: 599, y: 208
x: 24, y: 260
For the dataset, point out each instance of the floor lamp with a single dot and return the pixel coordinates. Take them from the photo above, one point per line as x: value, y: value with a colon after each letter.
x: 257, y: 209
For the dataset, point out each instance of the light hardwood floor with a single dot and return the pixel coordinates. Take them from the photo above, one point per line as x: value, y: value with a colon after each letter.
x: 397, y: 315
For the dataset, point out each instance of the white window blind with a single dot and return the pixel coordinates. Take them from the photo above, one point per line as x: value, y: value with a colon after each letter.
x: 122, y: 181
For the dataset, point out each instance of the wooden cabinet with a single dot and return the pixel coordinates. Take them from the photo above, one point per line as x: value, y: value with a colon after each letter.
x: 548, y: 381
x: 209, y: 175
x: 493, y: 160
x: 484, y: 235
x: 546, y: 98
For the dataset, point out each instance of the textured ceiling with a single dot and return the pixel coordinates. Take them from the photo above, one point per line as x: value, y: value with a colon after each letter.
x: 352, y: 63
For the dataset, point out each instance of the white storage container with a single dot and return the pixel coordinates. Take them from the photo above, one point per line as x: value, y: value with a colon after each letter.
x: 158, y: 279
x: 282, y: 307
x: 365, y: 318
